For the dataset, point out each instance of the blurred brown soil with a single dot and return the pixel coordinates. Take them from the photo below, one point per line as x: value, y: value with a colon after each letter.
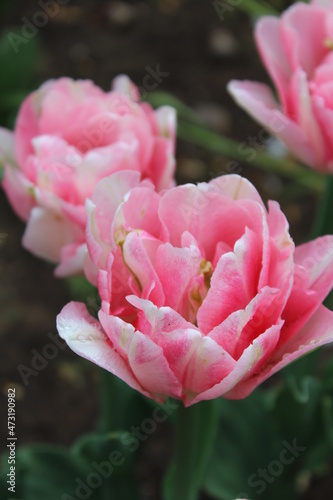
x: 98, y: 40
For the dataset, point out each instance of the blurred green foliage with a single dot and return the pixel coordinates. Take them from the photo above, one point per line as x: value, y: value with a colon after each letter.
x: 294, y: 414
x: 252, y: 433
x: 18, y: 73
x: 96, y: 465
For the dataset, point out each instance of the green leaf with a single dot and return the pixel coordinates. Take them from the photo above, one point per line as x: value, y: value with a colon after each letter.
x: 80, y: 289
x: 97, y: 466
x: 253, y: 433
x: 107, y: 455
x: 47, y: 472
x: 327, y: 377
x: 245, y: 442
x: 4, y: 493
x: 121, y: 406
x: 103, y: 447
x: 327, y: 407
x: 20, y: 63
x: 196, y: 428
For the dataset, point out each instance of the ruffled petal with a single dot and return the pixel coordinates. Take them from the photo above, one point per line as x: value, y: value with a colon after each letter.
x: 317, y: 332
x: 86, y: 338
x: 273, y: 54
x: 145, y: 358
x: 137, y: 260
x: 302, y: 31
x: 47, y: 233
x: 19, y: 191
x: 251, y: 360
x: 257, y: 99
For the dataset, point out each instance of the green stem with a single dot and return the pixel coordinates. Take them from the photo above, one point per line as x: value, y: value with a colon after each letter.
x: 257, y: 8
x: 196, y: 429
x: 107, y: 401
x: 117, y: 402
x: 286, y: 167
x: 324, y: 220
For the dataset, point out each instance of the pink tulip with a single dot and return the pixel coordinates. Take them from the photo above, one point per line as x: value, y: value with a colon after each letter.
x: 69, y: 135
x: 203, y: 293
x: 297, y: 52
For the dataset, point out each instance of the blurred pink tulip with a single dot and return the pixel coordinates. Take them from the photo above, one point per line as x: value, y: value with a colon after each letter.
x: 203, y: 292
x: 69, y: 135
x: 296, y: 50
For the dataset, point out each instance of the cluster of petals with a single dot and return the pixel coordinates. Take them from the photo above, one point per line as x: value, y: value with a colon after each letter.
x: 297, y: 51
x: 68, y: 135
x: 203, y: 293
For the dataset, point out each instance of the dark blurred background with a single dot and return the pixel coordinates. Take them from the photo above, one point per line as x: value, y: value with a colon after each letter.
x: 196, y: 53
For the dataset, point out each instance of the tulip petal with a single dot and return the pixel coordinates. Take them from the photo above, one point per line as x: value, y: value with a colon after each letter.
x: 145, y: 358
x: 166, y: 119
x: 209, y: 364
x: 241, y: 328
x: 251, y: 360
x: 175, y: 268
x: 273, y: 54
x: 26, y: 127
x: 278, y: 262
x: 326, y: 4
x: 124, y: 85
x: 235, y: 187
x: 101, y: 210
x: 47, y: 233
x: 136, y: 258
x: 162, y: 156
x: 19, y: 191
x: 260, y: 349
x: 317, y: 258
x: 257, y: 99
x: 86, y: 338
x: 204, y: 212
x: 177, y: 337
x: 234, y: 282
x: 108, y: 194
x: 303, y: 113
x: 302, y: 29
x: 313, y: 281
x: 139, y: 210
x: 71, y: 260
x: 317, y: 332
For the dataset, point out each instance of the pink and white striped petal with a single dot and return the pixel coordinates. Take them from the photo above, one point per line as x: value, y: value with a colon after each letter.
x: 85, y: 336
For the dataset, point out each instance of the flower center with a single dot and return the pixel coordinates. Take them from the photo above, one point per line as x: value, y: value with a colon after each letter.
x: 199, y: 289
x: 328, y: 43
